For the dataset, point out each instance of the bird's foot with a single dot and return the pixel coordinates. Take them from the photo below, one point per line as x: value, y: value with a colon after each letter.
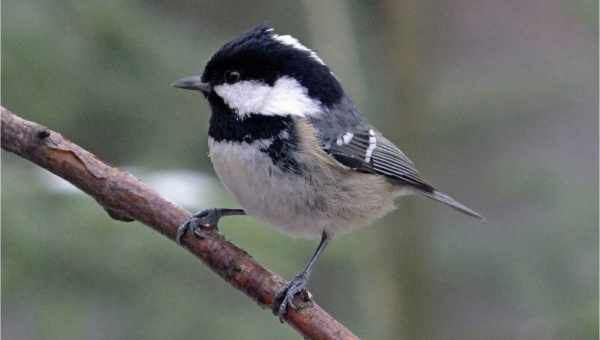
x: 205, y: 219
x: 286, y: 296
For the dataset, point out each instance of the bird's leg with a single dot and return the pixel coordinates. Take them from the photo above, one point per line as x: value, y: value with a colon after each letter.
x: 285, y: 297
x: 208, y: 218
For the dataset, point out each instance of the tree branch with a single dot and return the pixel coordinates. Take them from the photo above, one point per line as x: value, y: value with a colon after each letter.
x: 127, y: 199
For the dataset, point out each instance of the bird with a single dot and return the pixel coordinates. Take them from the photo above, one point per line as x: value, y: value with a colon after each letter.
x: 292, y: 148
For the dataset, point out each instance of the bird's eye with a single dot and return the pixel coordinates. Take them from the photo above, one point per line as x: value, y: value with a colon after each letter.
x: 232, y: 76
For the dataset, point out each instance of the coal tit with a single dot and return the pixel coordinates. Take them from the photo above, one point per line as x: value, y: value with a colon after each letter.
x: 292, y: 148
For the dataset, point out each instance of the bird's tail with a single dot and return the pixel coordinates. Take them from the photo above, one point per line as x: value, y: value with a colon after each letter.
x: 441, y: 197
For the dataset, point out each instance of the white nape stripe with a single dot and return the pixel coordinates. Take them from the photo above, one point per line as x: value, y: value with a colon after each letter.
x: 372, y: 146
x: 286, y: 97
x: 291, y: 41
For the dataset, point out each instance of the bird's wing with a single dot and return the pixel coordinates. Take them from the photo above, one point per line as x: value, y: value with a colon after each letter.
x: 365, y: 149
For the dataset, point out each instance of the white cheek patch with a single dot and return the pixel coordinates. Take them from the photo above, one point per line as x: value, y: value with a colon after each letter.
x: 291, y: 41
x: 289, y: 97
x: 244, y: 96
x: 286, y: 97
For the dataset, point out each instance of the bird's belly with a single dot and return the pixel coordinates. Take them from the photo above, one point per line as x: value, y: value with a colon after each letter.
x: 293, y: 203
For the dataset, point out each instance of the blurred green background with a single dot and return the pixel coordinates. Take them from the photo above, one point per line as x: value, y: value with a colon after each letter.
x: 495, y: 101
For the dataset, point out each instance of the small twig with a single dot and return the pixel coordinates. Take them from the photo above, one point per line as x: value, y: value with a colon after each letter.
x: 125, y: 198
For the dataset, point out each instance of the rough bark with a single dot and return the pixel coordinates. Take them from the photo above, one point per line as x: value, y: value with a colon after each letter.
x: 127, y: 199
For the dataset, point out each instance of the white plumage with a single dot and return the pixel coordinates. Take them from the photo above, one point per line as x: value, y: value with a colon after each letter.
x: 285, y: 97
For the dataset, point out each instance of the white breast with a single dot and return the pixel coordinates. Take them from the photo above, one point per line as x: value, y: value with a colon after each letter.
x: 263, y: 189
x: 299, y: 205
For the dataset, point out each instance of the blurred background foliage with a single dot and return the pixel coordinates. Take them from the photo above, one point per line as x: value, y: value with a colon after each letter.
x: 496, y: 102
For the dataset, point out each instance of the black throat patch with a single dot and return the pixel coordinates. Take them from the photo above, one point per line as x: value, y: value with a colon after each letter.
x: 226, y: 126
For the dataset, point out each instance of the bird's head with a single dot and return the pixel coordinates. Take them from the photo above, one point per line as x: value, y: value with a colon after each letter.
x: 263, y: 73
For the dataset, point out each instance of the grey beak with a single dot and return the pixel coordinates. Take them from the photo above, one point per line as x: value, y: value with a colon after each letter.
x: 193, y: 83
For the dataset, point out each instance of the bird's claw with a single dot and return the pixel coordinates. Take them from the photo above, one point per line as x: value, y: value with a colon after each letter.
x: 208, y: 218
x: 288, y: 293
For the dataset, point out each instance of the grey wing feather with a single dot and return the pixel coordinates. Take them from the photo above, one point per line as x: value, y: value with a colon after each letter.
x: 346, y: 136
x: 367, y: 150
x: 384, y: 158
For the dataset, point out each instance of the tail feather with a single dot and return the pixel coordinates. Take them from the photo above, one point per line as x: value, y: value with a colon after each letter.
x: 441, y: 197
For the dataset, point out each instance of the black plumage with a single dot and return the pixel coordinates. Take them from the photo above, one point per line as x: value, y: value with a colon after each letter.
x: 272, y: 96
x: 257, y: 56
